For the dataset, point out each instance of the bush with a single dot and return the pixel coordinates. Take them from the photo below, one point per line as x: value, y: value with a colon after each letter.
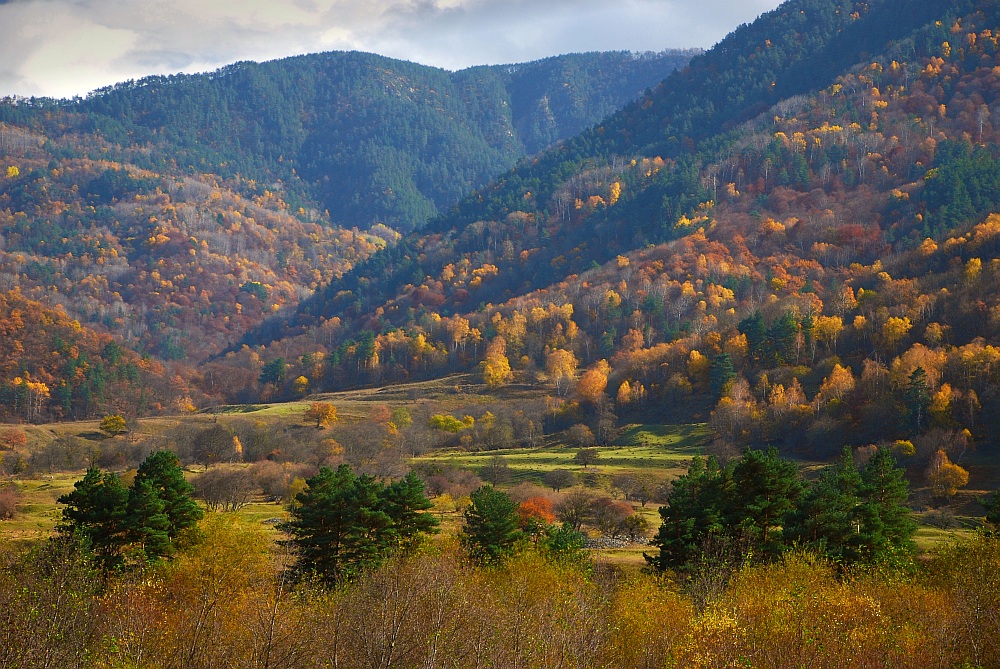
x: 276, y: 479
x: 557, y: 479
x: 10, y: 497
x: 226, y: 487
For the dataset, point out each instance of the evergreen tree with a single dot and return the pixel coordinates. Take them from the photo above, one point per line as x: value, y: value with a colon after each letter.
x: 147, y: 524
x: 781, y: 337
x: 112, y: 517
x: 992, y: 506
x: 563, y: 544
x: 96, y: 510
x: 405, y: 503
x: 490, y: 533
x: 885, y: 526
x: 163, y: 472
x: 692, y: 512
x: 326, y: 524
x: 917, y: 398
x: 721, y: 374
x: 753, y: 328
x: 346, y: 523
x: 825, y: 519
x: 763, y: 491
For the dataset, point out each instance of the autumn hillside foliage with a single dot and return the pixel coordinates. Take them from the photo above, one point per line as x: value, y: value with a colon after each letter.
x: 53, y: 368
x: 176, y: 213
x: 818, y: 269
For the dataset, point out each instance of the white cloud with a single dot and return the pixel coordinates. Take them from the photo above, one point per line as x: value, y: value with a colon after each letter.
x: 67, y: 47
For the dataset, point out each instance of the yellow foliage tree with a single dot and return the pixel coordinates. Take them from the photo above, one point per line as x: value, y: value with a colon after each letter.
x: 893, y: 332
x: 698, y: 366
x: 827, y: 329
x: 113, y: 424
x: 594, y: 381
x: 561, y: 366
x: 945, y: 477
x: 496, y: 366
x: 624, y: 393
x: 324, y: 413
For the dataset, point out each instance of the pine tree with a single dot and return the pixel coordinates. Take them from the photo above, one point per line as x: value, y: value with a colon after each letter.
x: 163, y: 472
x: 764, y: 490
x: 96, y: 509
x: 756, y: 333
x: 885, y: 526
x: 346, y: 523
x: 721, y: 374
x: 147, y: 524
x: 406, y: 504
x: 323, y: 522
x: 490, y: 533
x: 992, y: 506
x: 825, y: 519
x: 917, y: 398
x: 692, y: 513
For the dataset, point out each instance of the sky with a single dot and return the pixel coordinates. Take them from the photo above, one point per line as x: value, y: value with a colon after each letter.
x: 61, y: 48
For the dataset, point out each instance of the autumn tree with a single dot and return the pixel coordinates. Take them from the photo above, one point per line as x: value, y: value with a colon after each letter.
x: 324, y: 413
x: 114, y: 424
x: 536, y: 511
x: 945, y: 477
x: 586, y: 457
x: 575, y: 508
x: 557, y: 479
x: 13, y: 439
x: 496, y: 366
x: 226, y: 488
x: 593, y: 382
x: 561, y: 366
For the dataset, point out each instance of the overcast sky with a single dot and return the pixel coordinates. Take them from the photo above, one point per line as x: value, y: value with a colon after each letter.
x: 69, y: 47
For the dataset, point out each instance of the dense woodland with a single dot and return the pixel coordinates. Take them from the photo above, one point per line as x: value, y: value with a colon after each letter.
x: 177, y: 213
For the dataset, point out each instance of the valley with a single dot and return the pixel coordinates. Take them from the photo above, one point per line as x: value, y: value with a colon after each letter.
x: 683, y: 359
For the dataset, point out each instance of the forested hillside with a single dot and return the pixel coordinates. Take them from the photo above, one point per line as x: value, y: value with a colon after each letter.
x: 179, y: 212
x: 806, y: 270
x: 365, y: 138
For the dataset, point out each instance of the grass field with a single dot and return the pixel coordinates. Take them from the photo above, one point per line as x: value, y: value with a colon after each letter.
x: 663, y: 450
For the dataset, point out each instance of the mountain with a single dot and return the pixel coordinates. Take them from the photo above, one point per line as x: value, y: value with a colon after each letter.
x: 179, y: 212
x: 367, y: 139
x: 790, y: 237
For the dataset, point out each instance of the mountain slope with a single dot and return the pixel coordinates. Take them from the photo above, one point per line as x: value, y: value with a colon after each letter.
x: 368, y: 139
x: 738, y: 79
x: 178, y: 212
x: 810, y: 270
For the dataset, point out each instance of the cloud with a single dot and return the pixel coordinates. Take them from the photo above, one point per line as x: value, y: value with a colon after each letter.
x: 68, y: 47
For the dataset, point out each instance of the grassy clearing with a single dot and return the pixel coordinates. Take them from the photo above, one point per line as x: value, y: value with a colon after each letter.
x: 662, y: 450
x: 38, y: 513
x: 930, y: 538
